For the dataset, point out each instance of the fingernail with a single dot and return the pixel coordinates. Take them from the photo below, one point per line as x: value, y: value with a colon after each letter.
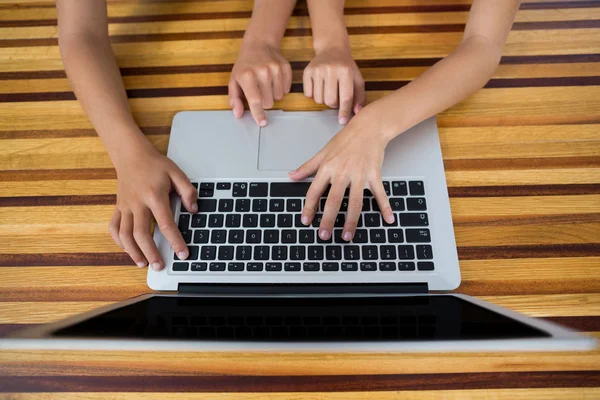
x: 389, y: 218
x: 343, y: 120
x: 141, y: 264
x: 156, y: 266
x: 182, y: 255
x: 324, y: 234
x: 347, y: 236
x: 194, y: 207
x: 263, y: 123
x: 304, y: 220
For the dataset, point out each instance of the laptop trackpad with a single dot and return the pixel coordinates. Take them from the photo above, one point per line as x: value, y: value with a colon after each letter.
x: 287, y: 142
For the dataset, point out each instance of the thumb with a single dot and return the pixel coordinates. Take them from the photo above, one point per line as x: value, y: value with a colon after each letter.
x: 307, y: 169
x: 185, y: 189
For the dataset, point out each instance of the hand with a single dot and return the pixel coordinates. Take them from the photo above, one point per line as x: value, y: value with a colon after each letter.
x: 262, y: 75
x: 145, y: 180
x: 333, y: 78
x: 352, y: 158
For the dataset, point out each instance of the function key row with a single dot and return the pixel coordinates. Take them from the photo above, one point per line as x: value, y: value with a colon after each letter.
x: 306, y: 266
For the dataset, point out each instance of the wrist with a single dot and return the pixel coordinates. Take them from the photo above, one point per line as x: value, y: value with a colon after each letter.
x: 252, y: 40
x: 131, y: 145
x: 325, y: 44
x: 391, y: 122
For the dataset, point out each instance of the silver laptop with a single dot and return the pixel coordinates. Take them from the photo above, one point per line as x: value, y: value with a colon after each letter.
x: 258, y: 279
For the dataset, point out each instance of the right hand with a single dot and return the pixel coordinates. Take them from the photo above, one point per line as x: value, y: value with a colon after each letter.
x: 145, y: 179
x: 262, y: 75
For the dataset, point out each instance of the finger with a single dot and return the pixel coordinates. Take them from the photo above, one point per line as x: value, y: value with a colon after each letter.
x: 287, y: 77
x: 318, y: 89
x: 346, y: 96
x: 143, y: 238
x: 378, y: 191
x: 330, y: 88
x: 307, y: 169
x: 277, y: 78
x: 355, y: 202
x: 164, y: 220
x: 313, y: 196
x: 332, y: 208
x: 185, y: 189
x: 114, y: 226
x: 307, y: 83
x: 235, y: 99
x: 265, y: 82
x: 359, y: 94
x: 250, y: 87
x: 126, y: 236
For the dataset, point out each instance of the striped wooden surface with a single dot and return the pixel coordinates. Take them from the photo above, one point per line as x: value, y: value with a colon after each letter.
x: 522, y: 159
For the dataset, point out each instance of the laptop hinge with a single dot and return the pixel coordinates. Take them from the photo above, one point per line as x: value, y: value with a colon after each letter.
x: 309, y: 289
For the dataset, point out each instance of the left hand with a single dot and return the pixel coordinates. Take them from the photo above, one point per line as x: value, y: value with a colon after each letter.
x: 352, y: 158
x: 333, y: 78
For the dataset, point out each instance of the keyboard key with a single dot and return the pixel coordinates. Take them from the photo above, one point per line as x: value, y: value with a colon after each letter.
x: 368, y: 266
x: 184, y: 222
x: 236, y: 236
x: 180, y: 266
x: 207, y: 186
x: 397, y: 203
x: 298, y: 221
x: 276, y: 205
x: 187, y: 236
x: 377, y: 235
x: 333, y: 252
x: 259, y: 205
x: 206, y: 193
x: 395, y: 236
x: 387, y: 266
x: 297, y: 253
x: 259, y: 189
x: 340, y: 220
x: 215, y: 220
x: 261, y: 252
x: 316, y: 222
x: 387, y: 252
x: 201, y: 236
x: 406, y: 266
x: 337, y: 236
x: 273, y: 266
x: 406, y: 252
x: 315, y: 252
x: 331, y: 266
x: 293, y: 205
x: 225, y: 253
x: 271, y: 236
x: 349, y: 266
x: 193, y: 253
x: 394, y: 223
x: 243, y: 253
x: 223, y: 186
x: 369, y: 252
x: 399, y: 188
x: 351, y: 252
x: 288, y: 236
x: 242, y: 205
x: 375, y: 205
x: 416, y: 204
x: 233, y: 220
x: 225, y: 205
x: 289, y: 189
x: 279, y: 253
x: 366, y: 205
x: 360, y: 236
x: 267, y: 220
x: 235, y: 266
x: 199, y: 266
x: 416, y: 188
x: 292, y: 266
x: 414, y: 219
x: 250, y: 221
x: 425, y: 266
x: 216, y: 266
x: 284, y: 221
x: 311, y: 266
x: 218, y: 236
x: 367, y: 193
x: 208, y: 252
x: 372, y: 220
x: 344, y: 204
x: 207, y: 205
x: 253, y: 236
x: 306, y: 236
x: 424, y: 252
x: 195, y: 184
x: 386, y: 187
x: 198, y: 220
x: 239, y: 189
x: 418, y: 236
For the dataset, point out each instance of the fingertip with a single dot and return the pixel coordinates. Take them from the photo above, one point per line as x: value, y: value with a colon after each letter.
x: 194, y: 207
x: 156, y: 266
x: 182, y: 255
x: 357, y: 108
x: 141, y: 264
x: 343, y: 120
x: 262, y: 123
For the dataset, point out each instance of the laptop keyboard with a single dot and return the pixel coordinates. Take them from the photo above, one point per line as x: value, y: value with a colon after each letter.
x: 255, y: 227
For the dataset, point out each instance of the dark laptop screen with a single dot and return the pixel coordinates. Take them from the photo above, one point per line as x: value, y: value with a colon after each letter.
x: 302, y: 319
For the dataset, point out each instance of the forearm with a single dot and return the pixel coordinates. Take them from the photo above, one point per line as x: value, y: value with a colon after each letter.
x: 268, y: 22
x: 448, y: 82
x: 328, y: 25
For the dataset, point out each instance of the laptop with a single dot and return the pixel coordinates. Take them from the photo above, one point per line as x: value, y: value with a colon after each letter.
x: 258, y: 279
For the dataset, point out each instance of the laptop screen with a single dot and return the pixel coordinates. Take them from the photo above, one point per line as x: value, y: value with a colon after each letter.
x: 409, y: 318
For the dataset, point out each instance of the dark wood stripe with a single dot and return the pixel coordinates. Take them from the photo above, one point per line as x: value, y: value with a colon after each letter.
x: 5, y: 329
x: 37, y: 201
x: 519, y: 163
x: 531, y: 219
x: 318, y: 383
x: 299, y: 65
x: 67, y: 259
x: 71, y: 133
x: 58, y: 174
x: 524, y: 190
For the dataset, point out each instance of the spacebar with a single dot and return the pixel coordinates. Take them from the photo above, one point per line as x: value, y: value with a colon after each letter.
x: 289, y: 189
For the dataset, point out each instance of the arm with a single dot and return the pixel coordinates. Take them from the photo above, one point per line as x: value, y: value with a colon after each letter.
x: 355, y: 155
x: 260, y: 73
x: 145, y: 177
x: 333, y: 77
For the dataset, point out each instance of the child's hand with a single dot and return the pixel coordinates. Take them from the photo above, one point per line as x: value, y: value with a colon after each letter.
x: 352, y: 158
x: 145, y: 179
x: 333, y: 78
x: 262, y: 75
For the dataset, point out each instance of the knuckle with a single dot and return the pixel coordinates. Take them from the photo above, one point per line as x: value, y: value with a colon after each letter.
x: 246, y: 75
x: 263, y: 72
x: 165, y: 225
x: 139, y: 234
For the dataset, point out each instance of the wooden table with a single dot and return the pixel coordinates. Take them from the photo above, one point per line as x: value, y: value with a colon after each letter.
x: 522, y: 159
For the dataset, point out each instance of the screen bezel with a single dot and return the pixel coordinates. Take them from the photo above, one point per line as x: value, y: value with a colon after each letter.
x: 40, y: 337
